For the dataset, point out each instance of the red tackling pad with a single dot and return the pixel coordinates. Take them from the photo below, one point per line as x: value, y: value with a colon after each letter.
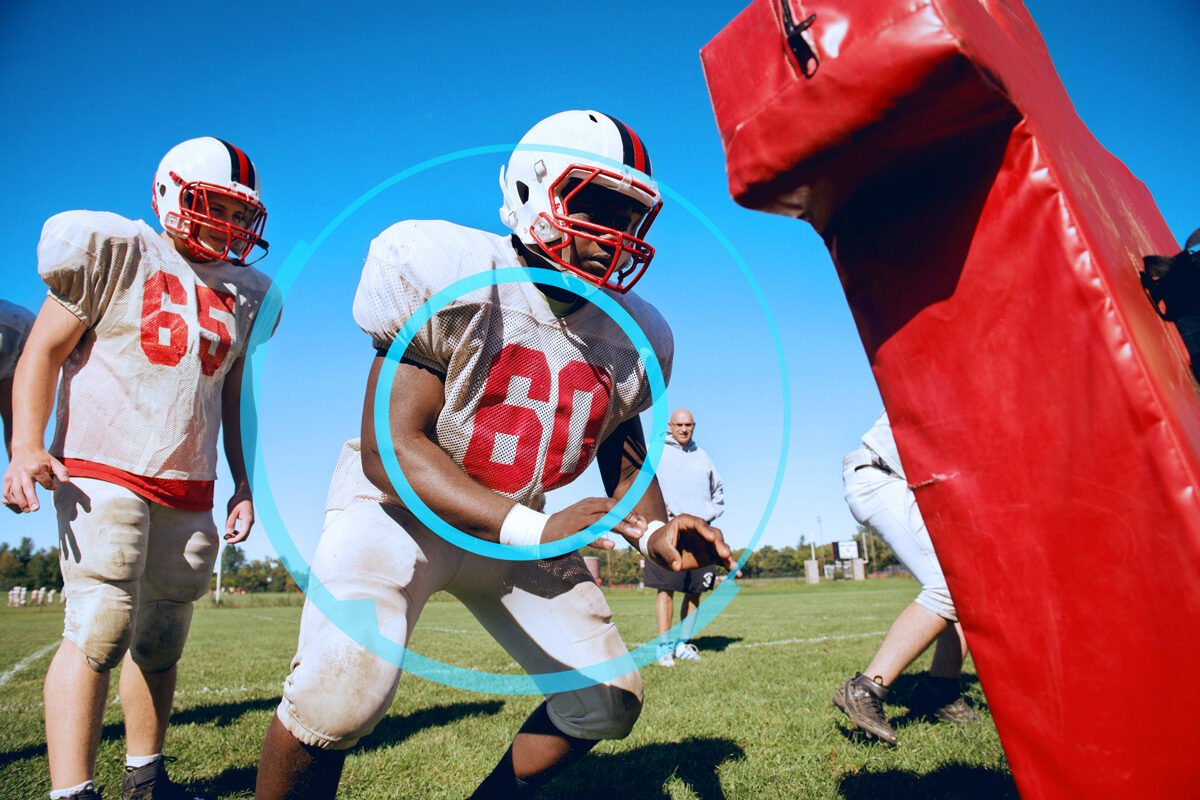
x: 989, y: 249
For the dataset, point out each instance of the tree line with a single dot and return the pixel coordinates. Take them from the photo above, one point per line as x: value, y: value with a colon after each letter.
x: 260, y: 575
x: 23, y: 566
x: 769, y: 562
x: 623, y: 566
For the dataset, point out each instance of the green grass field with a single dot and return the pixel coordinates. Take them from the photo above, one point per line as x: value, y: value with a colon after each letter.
x: 752, y: 719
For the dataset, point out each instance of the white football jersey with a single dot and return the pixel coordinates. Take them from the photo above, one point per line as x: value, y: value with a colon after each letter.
x: 141, y: 392
x: 15, y: 324
x: 529, y: 396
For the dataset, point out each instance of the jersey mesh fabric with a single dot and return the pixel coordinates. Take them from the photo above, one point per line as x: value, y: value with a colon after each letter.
x: 349, y: 484
x: 528, y: 396
x: 15, y: 324
x: 141, y: 392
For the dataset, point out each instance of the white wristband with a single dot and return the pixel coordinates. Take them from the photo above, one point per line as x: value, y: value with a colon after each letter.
x: 644, y: 542
x: 523, y: 526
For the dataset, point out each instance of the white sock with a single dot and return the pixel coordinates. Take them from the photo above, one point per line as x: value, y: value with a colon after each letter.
x: 141, y: 761
x: 60, y: 793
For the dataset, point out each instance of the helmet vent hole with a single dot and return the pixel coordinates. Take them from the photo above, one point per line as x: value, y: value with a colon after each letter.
x: 162, y: 189
x: 592, y: 117
x: 523, y: 192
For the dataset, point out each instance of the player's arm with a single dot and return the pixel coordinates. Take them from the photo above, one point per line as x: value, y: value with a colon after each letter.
x: 686, y: 542
x: 55, y: 333
x: 6, y: 386
x: 240, y: 509
x: 416, y: 400
x: 620, y: 458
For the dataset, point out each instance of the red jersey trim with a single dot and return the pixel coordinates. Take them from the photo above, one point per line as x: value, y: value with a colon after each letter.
x: 169, y: 492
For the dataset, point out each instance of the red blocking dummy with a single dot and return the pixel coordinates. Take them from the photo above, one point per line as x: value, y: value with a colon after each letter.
x: 989, y: 249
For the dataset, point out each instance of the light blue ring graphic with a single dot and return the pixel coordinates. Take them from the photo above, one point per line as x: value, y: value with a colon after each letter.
x: 423, y: 512
x: 357, y: 618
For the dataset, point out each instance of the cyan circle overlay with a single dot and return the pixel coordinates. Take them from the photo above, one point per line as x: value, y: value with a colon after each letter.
x: 473, y: 543
x: 357, y: 618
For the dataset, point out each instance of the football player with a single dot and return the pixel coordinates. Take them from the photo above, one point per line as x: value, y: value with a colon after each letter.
x: 149, y: 330
x: 509, y: 391
x: 15, y: 323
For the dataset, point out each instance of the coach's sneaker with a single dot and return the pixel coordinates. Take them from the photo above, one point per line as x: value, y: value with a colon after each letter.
x: 666, y: 657
x: 686, y: 651
x: 862, y: 700
x: 151, y: 782
x: 940, y: 698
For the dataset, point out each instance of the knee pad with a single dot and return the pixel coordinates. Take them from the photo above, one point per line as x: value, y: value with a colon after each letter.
x: 937, y: 599
x: 336, y: 693
x: 162, y: 630
x: 604, y: 711
x: 99, y: 621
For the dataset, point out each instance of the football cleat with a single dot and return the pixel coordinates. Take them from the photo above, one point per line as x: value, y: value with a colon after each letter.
x: 941, y: 699
x: 152, y: 782
x: 687, y: 651
x: 861, y: 699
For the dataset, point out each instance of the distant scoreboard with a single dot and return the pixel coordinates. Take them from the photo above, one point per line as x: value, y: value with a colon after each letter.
x: 845, y: 551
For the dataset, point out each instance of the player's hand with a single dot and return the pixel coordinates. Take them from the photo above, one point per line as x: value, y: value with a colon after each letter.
x: 576, y: 517
x: 688, y: 542
x: 241, y: 516
x: 29, y: 467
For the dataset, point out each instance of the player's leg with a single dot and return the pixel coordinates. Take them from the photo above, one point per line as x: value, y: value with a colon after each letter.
x: 180, y: 557
x: 684, y: 649
x: 949, y: 652
x: 890, y: 509
x: 539, y: 752
x: 102, y: 545
x: 664, y: 613
x: 909, y: 635
x: 664, y: 610
x: 883, y: 502
x: 337, y: 690
x: 937, y: 693
x: 288, y: 769
x: 146, y: 698
x: 550, y: 616
x: 75, y: 696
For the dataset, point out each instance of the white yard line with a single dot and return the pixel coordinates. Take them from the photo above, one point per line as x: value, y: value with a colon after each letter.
x: 776, y: 642
x: 25, y: 662
x: 813, y: 640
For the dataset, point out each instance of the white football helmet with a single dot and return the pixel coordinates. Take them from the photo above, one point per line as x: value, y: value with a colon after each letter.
x: 585, y: 151
x: 194, y: 173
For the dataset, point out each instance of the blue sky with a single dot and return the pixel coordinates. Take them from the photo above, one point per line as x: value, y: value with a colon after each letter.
x: 331, y: 103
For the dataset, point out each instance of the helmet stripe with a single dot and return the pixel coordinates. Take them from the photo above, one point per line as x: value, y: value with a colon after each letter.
x: 633, y: 151
x: 241, y: 169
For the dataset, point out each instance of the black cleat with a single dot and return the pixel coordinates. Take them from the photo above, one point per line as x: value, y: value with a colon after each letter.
x: 152, y: 782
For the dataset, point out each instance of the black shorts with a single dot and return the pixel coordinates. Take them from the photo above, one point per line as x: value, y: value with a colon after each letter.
x: 690, y: 581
